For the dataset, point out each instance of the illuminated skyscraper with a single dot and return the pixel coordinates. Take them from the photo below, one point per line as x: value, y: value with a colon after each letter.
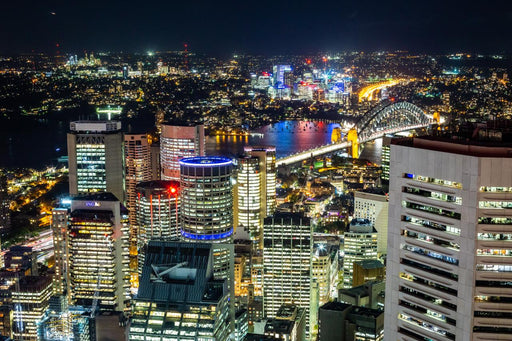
x: 157, y: 217
x: 256, y: 190
x: 288, y: 245
x: 60, y: 249
x: 373, y: 205
x: 176, y: 143
x: 267, y: 167
x: 255, y: 200
x: 98, y: 252
x: 5, y: 213
x: 137, y: 153
x: 96, y: 159
x: 360, y: 244
x: 207, y: 199
x: 30, y: 299
x: 386, y: 140
x: 207, y: 208
x: 449, y: 264
x: 279, y: 75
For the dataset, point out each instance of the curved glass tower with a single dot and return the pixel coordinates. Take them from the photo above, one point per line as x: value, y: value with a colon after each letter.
x: 206, y: 199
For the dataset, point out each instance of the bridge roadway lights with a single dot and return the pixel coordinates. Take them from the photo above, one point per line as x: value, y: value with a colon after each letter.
x: 352, y: 138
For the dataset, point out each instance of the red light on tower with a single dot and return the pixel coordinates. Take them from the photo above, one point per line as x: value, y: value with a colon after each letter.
x: 308, y: 61
x: 172, y: 190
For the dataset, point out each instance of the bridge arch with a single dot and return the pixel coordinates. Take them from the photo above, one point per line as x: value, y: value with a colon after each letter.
x: 388, y: 115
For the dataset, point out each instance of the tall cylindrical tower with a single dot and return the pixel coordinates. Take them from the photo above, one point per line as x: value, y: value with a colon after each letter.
x: 206, y: 199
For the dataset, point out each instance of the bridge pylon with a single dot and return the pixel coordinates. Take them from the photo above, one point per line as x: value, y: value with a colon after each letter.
x: 437, y: 117
x: 352, y: 138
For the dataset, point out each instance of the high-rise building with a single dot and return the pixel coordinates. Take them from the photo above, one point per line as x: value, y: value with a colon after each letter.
x: 289, y: 324
x: 324, y: 270
x: 157, y: 207
x: 21, y: 259
x: 386, y: 141
x: 255, y: 200
x: 60, y: 249
x: 449, y: 259
x: 256, y: 189
x: 288, y: 245
x: 207, y: 208
x: 343, y: 322
x: 62, y: 322
x: 176, y: 143
x: 137, y: 160
x: 179, y: 298
x: 368, y: 270
x: 96, y: 159
x: 248, y: 206
x: 373, y: 205
x: 137, y: 154
x: 360, y: 244
x: 30, y: 299
x: 98, y: 252
x: 5, y: 201
x: 207, y: 199
x: 278, y: 75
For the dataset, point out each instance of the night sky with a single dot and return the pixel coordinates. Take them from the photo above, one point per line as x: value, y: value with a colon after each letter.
x: 267, y: 27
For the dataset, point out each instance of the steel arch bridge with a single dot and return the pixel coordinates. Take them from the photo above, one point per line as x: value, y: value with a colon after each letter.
x: 389, y: 115
x: 385, y: 118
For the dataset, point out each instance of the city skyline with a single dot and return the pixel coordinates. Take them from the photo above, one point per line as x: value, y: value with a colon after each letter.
x: 179, y: 196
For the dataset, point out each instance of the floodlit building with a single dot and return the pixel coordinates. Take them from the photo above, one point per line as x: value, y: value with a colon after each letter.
x: 176, y: 143
x: 30, y: 299
x: 96, y: 158
x: 360, y: 244
x: 288, y: 245
x: 449, y: 262
x: 179, y: 298
x: 98, y: 252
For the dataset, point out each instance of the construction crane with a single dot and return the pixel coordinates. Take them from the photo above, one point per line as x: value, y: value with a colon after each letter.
x: 97, y: 291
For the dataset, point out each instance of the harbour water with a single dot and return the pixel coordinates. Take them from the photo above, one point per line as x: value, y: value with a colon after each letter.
x: 40, y: 143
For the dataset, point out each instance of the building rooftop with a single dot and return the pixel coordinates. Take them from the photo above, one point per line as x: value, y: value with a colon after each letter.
x: 370, y: 264
x: 101, y: 196
x: 206, y: 161
x: 180, y: 272
x: 159, y: 186
x: 33, y: 283
x: 286, y: 217
x: 335, y: 306
x: 491, y: 139
x: 354, y: 310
